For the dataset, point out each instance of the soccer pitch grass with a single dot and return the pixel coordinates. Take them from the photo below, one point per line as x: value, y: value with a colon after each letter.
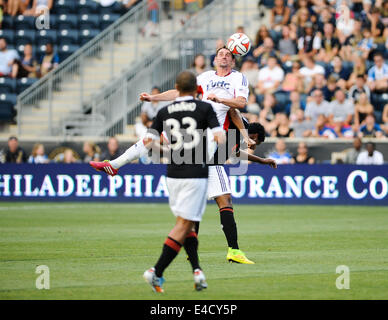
x: 100, y: 251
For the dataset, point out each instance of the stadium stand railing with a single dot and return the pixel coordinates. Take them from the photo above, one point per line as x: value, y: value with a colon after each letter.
x: 42, y: 108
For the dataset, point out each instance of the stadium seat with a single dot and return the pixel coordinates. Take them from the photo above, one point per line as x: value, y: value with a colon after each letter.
x: 107, y: 20
x: 67, y: 21
x: 24, y: 36
x: 23, y: 83
x: 64, y: 7
x: 7, y: 85
x: 87, y: 7
x: 20, y: 49
x: 89, y: 21
x: 45, y: 36
x: 86, y: 35
x: 24, y: 23
x: 65, y: 51
x: 7, y: 106
x: 8, y: 35
x: 7, y: 23
x: 41, y: 50
x: 67, y: 36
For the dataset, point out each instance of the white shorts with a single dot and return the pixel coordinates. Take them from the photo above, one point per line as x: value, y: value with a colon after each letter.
x: 187, y: 197
x: 218, y: 182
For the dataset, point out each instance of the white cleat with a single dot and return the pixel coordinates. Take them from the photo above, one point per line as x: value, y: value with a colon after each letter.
x: 155, y: 282
x: 199, y: 280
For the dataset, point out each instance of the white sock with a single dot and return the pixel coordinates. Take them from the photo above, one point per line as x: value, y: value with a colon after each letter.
x: 135, y: 152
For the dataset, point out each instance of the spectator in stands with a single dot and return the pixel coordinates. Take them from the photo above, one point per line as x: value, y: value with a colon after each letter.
x: 38, y: 155
x: 307, y: 43
x: 280, y: 15
x: 349, y: 47
x: 293, y: 80
x: 326, y: 16
x: 287, y: 45
x: 219, y: 44
x: 370, y: 156
x: 2, y: 6
x: 330, y: 44
x: 199, y: 64
x: 318, y: 83
x: 282, y: 129
x: 300, y: 18
x: 14, y: 153
x: 374, y: 22
x: 36, y: 7
x: 337, y: 71
x: 295, y: 104
x: 362, y: 109
x: 265, y: 51
x: 385, y: 119
x: 352, y: 154
x: 27, y: 67
x: 302, y: 156
x: 301, y: 127
x: 358, y: 88
x: 113, y: 149
x: 366, y: 44
x: 252, y: 109
x: 280, y: 154
x: 330, y: 89
x: 378, y: 74
x: 323, y: 130
x: 151, y: 29
x: 261, y: 34
x: 250, y: 69
x: 318, y: 106
x: 49, y: 61
x: 270, y: 77
x: 92, y: 151
x: 310, y: 69
x: 7, y: 58
x: 267, y: 114
x: 341, y: 114
x: 370, y: 129
x: 69, y: 157
x: 191, y: 7
x: 148, y: 113
x: 345, y: 22
x: 359, y: 69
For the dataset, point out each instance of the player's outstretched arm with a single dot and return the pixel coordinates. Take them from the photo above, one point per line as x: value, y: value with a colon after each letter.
x: 235, y: 117
x: 239, y: 102
x: 254, y: 158
x: 168, y: 95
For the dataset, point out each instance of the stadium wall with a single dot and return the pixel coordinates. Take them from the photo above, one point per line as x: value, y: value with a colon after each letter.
x: 253, y: 184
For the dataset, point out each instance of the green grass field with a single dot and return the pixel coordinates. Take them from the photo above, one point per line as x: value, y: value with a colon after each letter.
x: 100, y: 251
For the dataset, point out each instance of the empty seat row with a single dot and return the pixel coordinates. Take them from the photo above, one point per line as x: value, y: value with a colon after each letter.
x: 7, y: 109
x: 8, y: 85
x: 41, y: 37
x: 62, y: 21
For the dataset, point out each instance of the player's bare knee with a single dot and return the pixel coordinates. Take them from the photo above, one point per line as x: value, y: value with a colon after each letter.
x: 224, y: 201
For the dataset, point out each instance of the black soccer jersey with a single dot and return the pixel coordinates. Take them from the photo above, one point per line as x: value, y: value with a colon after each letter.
x: 184, y: 122
x: 232, y: 145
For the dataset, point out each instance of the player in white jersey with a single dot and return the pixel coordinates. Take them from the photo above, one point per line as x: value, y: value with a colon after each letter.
x: 226, y: 90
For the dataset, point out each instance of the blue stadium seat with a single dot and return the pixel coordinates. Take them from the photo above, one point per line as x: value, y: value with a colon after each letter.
x: 45, y: 36
x: 7, y: 23
x: 67, y: 36
x: 86, y: 35
x: 7, y: 109
x: 107, y: 20
x: 24, y: 22
x: 87, y: 7
x: 23, y: 83
x: 64, y: 7
x: 20, y: 49
x: 89, y: 21
x: 65, y: 51
x: 41, y: 50
x: 7, y: 85
x: 24, y: 36
x: 8, y: 35
x: 67, y: 21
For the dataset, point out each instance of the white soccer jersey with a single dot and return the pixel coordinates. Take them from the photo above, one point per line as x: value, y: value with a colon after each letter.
x: 233, y: 85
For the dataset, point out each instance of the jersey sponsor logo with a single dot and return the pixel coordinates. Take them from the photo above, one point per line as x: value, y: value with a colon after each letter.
x: 218, y: 84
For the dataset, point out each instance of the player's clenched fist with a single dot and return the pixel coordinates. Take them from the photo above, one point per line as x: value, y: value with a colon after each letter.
x: 144, y: 96
x: 214, y: 98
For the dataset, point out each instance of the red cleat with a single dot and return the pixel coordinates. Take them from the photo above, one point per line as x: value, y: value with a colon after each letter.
x: 104, y: 166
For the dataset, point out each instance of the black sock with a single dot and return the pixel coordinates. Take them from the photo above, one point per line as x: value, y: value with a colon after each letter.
x: 196, y: 227
x: 171, y: 248
x: 191, y: 247
x: 229, y: 226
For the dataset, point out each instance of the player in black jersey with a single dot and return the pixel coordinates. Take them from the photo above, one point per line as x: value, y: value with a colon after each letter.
x: 184, y: 122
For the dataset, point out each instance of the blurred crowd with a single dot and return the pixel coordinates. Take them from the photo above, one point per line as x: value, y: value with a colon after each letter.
x: 358, y: 154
